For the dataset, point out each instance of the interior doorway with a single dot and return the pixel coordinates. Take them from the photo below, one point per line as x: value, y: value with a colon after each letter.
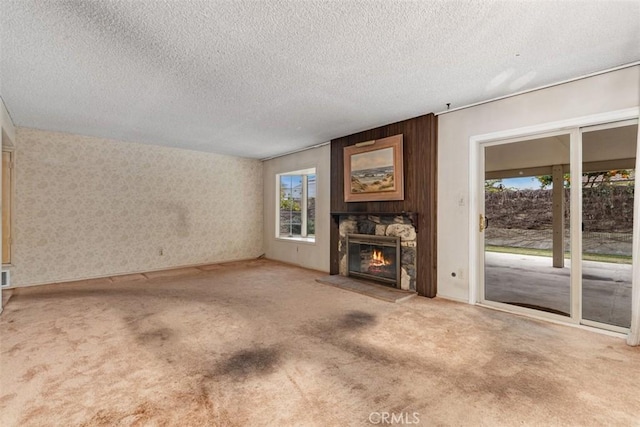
x: 556, y: 224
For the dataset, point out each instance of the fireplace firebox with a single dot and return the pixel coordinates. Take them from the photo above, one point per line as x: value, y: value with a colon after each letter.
x: 374, y: 257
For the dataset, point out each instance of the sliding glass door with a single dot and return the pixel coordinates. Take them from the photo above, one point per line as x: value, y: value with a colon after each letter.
x: 556, y: 224
x: 526, y: 218
x: 608, y: 189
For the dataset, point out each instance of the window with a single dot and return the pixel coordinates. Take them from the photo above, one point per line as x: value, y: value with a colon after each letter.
x: 7, y: 188
x: 296, y: 208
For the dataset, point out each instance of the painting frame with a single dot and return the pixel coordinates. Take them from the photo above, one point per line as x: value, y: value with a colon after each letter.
x: 376, y: 155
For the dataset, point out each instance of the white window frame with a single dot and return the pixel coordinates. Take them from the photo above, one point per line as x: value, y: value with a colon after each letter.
x: 303, y: 237
x: 12, y: 193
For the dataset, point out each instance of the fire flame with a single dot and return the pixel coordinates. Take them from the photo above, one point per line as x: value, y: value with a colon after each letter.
x: 378, y: 258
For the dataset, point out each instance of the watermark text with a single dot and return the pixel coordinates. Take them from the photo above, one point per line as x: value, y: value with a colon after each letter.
x: 391, y: 418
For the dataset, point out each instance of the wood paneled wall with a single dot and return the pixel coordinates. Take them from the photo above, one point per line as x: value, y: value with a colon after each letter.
x: 420, y: 187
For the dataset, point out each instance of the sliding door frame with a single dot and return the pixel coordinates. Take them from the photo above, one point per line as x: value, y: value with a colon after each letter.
x: 476, y: 208
x: 635, y: 283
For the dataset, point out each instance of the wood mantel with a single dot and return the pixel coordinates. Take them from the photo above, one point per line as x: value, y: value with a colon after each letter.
x: 411, y: 216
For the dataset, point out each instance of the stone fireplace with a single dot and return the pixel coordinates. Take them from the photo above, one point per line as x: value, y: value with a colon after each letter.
x: 380, y: 248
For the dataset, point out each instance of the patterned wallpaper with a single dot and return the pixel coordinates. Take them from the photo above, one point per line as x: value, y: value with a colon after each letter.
x: 89, y: 207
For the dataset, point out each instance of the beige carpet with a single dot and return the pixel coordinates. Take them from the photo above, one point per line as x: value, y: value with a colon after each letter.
x: 261, y: 343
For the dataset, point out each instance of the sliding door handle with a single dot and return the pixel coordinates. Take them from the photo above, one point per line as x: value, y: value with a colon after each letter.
x: 483, y: 223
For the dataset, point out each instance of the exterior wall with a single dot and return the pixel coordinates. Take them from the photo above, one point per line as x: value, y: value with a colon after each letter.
x: 599, y: 94
x: 90, y: 207
x: 309, y: 255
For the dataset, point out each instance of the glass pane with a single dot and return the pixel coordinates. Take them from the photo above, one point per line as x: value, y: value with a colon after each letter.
x: 311, y: 205
x: 373, y: 260
x: 527, y: 198
x: 608, y: 187
x: 290, y: 205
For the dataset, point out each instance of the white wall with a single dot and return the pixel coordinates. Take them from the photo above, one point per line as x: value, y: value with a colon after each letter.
x: 309, y: 255
x: 91, y: 207
x: 599, y: 94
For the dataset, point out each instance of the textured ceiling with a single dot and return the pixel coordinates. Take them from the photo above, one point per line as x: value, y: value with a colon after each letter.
x: 261, y: 78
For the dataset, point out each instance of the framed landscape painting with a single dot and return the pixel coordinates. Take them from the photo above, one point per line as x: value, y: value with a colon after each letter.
x: 373, y: 171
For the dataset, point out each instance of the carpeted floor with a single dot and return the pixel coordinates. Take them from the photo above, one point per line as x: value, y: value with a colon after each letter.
x: 262, y: 343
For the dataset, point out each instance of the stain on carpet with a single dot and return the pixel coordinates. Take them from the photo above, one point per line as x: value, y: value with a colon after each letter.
x: 15, y: 348
x: 136, y: 318
x: 143, y: 413
x: 155, y: 336
x: 357, y: 320
x: 33, y: 372
x: 102, y: 418
x: 7, y: 397
x: 345, y: 333
x: 254, y: 361
x: 33, y: 414
x: 524, y: 384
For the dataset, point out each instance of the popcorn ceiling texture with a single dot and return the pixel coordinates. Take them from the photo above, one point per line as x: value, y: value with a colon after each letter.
x: 89, y: 207
x: 256, y: 78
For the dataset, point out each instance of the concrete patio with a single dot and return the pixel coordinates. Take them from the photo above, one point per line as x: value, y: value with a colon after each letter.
x: 532, y: 281
x: 262, y: 343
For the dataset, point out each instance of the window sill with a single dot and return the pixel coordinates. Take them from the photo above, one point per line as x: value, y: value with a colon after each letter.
x: 297, y: 239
